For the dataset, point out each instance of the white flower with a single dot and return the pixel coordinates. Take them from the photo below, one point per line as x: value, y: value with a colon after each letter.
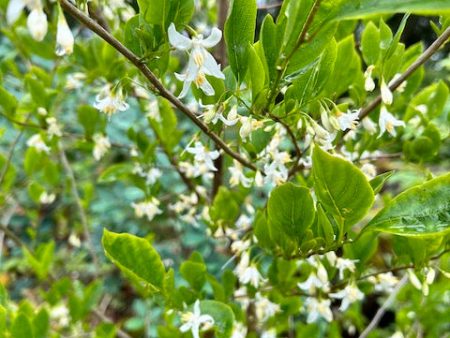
x: 369, y: 84
x: 238, y: 177
x: 318, y: 308
x: 388, y: 122
x: 402, y: 86
x: 36, y: 142
x: 152, y: 176
x: 313, y: 283
x: 369, y: 125
x: 53, y: 128
x: 343, y: 264
x: 239, y: 330
x: 276, y: 173
x: 386, y: 94
x: 265, y: 308
x: 15, y: 8
x: 147, y: 208
x: 195, y: 321
x: 349, y: 295
x: 384, y: 282
x: 60, y: 314
x: 348, y: 120
x: 201, y: 62
x: 213, y: 115
x: 272, y: 333
x: 108, y: 101
x: 37, y: 23
x: 64, y: 37
x: 101, y: 146
x: 369, y: 170
x: 74, y: 240
x: 74, y: 81
x: 46, y: 198
x: 248, y: 125
x: 247, y: 272
x: 202, y: 156
x: 240, y: 246
x: 42, y: 111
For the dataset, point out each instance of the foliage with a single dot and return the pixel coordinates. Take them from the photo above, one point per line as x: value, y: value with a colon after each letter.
x: 288, y: 177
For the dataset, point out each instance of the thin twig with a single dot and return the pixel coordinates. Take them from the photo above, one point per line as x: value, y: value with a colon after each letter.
x: 159, y: 87
x: 83, y: 217
x: 291, y: 134
x: 382, y: 310
x: 424, y: 57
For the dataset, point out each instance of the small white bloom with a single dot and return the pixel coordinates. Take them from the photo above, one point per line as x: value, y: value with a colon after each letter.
x: 74, y: 240
x: 238, y: 177
x: 74, y: 81
x: 388, y: 122
x: 153, y: 110
x: 42, y: 111
x: 248, y: 125
x: 108, y: 101
x: 239, y: 330
x: 201, y: 62
x: 64, y: 37
x: 37, y: 23
x: 147, y: 208
x: 247, y: 272
x: 369, y: 170
x: 369, y: 84
x: 349, y: 295
x: 272, y: 333
x: 15, y: 8
x: 384, y: 282
x: 348, y: 120
x: 318, y: 308
x: 196, y: 321
x: 213, y: 115
x: 264, y: 308
x: 313, y: 283
x: 36, y: 142
x: 402, y: 86
x: 152, y: 176
x: 101, y: 146
x: 386, y: 94
x: 343, y: 264
x: 60, y: 314
x: 53, y: 128
x: 240, y: 246
x: 46, y: 198
x: 202, y: 156
x: 369, y: 125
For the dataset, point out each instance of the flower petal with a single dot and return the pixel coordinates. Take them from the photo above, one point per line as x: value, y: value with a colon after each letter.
x: 37, y: 24
x: 14, y: 10
x: 207, y: 88
x: 177, y: 40
x: 213, y: 39
x: 211, y: 67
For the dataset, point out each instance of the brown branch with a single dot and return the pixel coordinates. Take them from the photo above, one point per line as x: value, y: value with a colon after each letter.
x: 424, y: 57
x: 159, y: 88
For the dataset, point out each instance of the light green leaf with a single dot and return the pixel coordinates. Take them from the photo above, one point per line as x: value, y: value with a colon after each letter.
x: 224, y: 210
x: 222, y: 314
x: 257, y: 73
x: 115, y: 172
x: 21, y: 327
x: 154, y: 11
x: 421, y: 211
x: 370, y: 44
x: 239, y: 34
x: 290, y: 209
x: 137, y: 259
x: 364, y: 8
x: 378, y: 182
x: 341, y: 187
x: 7, y: 101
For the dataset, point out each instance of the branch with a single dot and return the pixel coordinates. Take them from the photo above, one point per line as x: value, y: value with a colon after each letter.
x: 159, y: 88
x: 426, y: 55
x: 382, y: 310
x: 83, y: 217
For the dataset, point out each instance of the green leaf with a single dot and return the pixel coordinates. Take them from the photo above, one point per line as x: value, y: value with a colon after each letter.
x: 224, y: 209
x: 291, y: 209
x: 115, y: 172
x: 262, y: 231
x: 239, y: 34
x: 364, y: 8
x: 341, y: 187
x: 7, y: 101
x: 271, y: 43
x: 421, y: 211
x: 137, y: 259
x: 222, y: 314
x: 154, y: 11
x: 21, y: 327
x: 41, y: 324
x: 370, y: 44
x: 181, y: 11
x: 257, y: 73
x: 91, y: 120
x: 42, y: 261
x: 166, y: 128
x: 378, y: 182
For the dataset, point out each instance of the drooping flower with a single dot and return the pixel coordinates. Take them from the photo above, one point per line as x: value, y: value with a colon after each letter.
x: 348, y: 120
x: 109, y: 101
x: 369, y: 84
x: 53, y: 128
x: 369, y: 170
x: 239, y: 330
x: 37, y: 143
x: 343, y: 264
x: 74, y: 81
x: 196, y: 321
x: 349, y: 295
x: 101, y: 146
x: 46, y: 198
x: 147, y: 208
x: 213, y: 115
x: 386, y: 93
x: 201, y: 62
x: 37, y: 23
x: 248, y: 125
x: 369, y: 125
x: 238, y: 177
x: 203, y: 156
x: 317, y: 308
x: 384, y: 282
x: 388, y: 122
x: 15, y: 8
x: 247, y: 272
x: 64, y: 37
x: 265, y: 309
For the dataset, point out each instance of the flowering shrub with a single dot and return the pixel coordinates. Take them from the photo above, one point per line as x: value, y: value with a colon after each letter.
x: 181, y: 168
